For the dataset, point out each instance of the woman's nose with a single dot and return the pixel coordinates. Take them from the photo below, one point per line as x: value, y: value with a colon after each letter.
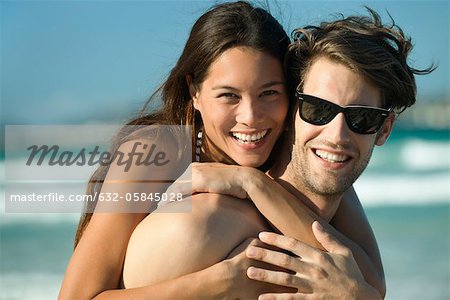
x: 249, y: 111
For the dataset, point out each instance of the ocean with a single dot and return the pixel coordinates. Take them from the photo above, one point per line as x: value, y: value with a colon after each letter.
x: 405, y: 192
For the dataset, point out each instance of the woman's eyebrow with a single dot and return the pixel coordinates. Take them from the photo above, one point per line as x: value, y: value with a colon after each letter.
x: 265, y: 85
x: 272, y: 83
x: 225, y: 87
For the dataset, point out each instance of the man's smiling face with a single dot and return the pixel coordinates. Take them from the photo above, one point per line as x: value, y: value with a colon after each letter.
x: 329, y: 158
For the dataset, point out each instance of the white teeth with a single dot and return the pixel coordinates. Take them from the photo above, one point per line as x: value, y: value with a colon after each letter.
x: 330, y: 156
x: 249, y: 138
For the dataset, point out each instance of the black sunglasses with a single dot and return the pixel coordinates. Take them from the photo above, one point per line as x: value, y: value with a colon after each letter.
x: 360, y: 119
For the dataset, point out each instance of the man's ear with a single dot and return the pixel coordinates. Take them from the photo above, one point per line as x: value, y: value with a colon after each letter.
x: 386, y: 130
x: 192, y: 91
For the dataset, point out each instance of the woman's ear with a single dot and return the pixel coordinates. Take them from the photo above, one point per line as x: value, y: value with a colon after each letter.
x: 386, y: 130
x: 192, y: 91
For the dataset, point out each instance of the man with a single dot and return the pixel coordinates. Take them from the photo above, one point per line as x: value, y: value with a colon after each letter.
x: 353, y: 77
x: 354, y: 74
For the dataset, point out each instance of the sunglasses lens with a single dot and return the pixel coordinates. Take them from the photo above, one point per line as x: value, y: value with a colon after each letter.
x: 317, y: 112
x: 364, y: 120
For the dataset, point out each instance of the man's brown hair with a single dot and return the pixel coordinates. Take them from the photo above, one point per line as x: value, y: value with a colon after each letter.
x: 365, y: 45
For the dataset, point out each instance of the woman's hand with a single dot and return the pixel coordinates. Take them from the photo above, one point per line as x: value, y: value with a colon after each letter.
x: 318, y: 274
x: 213, y: 178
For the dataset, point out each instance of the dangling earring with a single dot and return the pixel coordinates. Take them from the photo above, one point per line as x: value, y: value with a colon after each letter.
x: 198, y: 145
x: 199, y: 137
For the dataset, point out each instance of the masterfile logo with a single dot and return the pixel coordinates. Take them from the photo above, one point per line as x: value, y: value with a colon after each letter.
x: 48, y: 168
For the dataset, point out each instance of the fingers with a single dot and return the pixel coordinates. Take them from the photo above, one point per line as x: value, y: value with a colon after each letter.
x: 285, y: 296
x: 217, y: 178
x: 328, y: 241
x: 276, y: 258
x: 278, y: 278
x: 242, y: 246
x: 183, y: 184
x: 287, y: 243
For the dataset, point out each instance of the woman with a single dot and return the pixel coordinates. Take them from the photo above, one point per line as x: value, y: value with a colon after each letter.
x: 217, y: 37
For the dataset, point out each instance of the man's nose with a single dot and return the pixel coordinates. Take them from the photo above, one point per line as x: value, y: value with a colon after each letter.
x: 337, y: 130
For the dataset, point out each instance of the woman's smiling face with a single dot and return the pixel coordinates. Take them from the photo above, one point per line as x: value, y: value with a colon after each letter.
x: 243, y: 102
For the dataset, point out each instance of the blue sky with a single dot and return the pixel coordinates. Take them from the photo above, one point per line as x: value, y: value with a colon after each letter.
x: 71, y: 62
